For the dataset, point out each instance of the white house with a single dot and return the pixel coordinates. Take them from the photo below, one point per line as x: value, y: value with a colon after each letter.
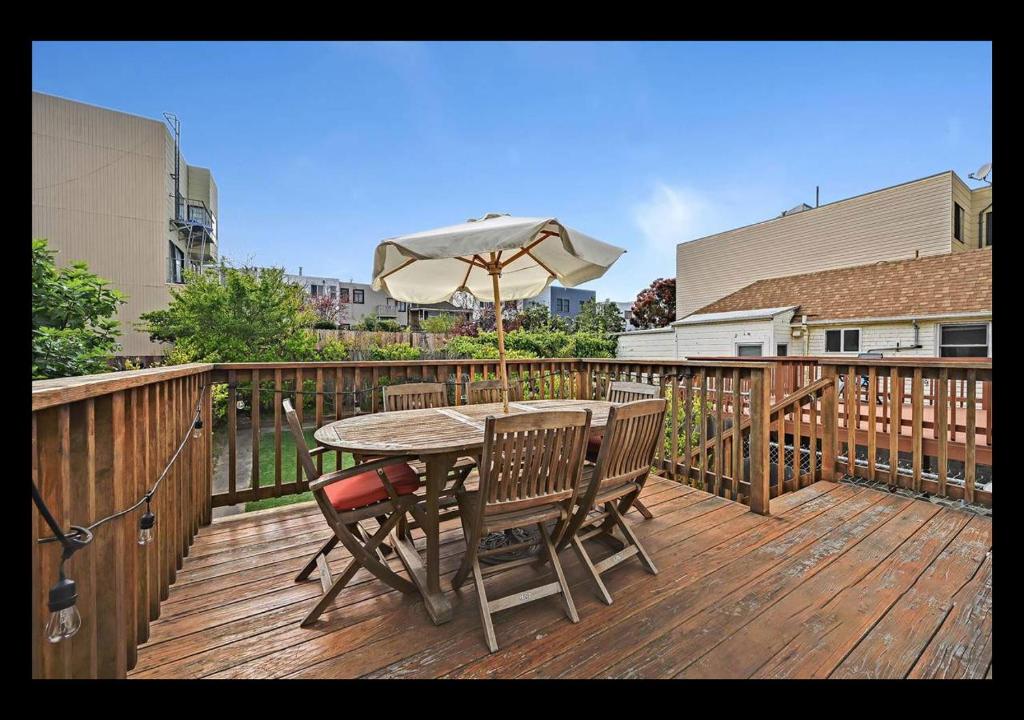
x: 936, y: 306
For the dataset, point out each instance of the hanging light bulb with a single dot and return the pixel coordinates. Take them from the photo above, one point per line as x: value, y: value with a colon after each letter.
x: 197, y: 429
x: 240, y: 404
x: 65, y: 619
x: 146, y: 523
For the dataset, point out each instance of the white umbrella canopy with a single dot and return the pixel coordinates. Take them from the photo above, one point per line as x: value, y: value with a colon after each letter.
x: 496, y: 258
x: 428, y: 267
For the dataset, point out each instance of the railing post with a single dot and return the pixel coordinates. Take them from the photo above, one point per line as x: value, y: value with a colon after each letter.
x: 760, y: 466
x: 829, y: 436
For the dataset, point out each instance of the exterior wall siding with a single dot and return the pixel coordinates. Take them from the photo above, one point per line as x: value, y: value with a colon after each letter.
x: 640, y: 345
x: 886, y: 335
x: 722, y: 338
x: 889, y: 224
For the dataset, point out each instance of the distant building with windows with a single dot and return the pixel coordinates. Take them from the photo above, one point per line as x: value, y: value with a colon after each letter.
x: 360, y: 300
x: 626, y: 310
x: 562, y: 301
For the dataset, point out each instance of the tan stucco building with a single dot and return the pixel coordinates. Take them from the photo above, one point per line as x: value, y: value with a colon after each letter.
x: 931, y: 216
x: 104, y: 191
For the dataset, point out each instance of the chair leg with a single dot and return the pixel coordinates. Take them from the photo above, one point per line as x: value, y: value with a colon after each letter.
x: 570, y: 607
x: 312, y: 564
x: 642, y: 509
x: 631, y: 538
x: 485, y: 611
x: 328, y: 597
x: 586, y: 562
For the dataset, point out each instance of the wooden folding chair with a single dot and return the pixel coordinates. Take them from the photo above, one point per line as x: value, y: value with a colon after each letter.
x: 631, y: 437
x: 417, y: 396
x: 382, y: 489
x: 479, y: 392
x: 620, y: 391
x: 529, y: 474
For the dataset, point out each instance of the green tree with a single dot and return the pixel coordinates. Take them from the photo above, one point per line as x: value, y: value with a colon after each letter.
x: 235, y: 315
x: 73, y: 327
x: 601, y: 318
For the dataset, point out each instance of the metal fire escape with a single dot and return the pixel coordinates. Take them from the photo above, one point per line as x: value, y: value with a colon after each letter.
x: 193, y: 220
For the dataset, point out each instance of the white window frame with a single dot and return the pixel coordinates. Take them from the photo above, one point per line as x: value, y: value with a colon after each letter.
x: 938, y: 336
x: 842, y: 340
x: 749, y: 344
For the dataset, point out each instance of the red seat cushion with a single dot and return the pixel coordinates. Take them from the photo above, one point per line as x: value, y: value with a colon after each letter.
x: 594, y: 447
x: 366, y: 488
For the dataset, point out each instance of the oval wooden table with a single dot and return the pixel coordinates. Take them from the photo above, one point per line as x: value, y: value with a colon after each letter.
x: 438, y: 436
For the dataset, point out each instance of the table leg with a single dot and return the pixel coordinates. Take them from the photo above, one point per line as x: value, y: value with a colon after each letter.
x: 428, y: 578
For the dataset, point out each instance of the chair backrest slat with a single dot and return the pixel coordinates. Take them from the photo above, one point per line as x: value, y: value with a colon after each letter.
x: 620, y: 391
x: 631, y: 438
x: 479, y: 392
x: 300, y: 442
x: 532, y: 459
x: 415, y: 396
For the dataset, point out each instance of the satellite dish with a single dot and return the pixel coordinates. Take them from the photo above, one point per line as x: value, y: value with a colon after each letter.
x: 982, y: 173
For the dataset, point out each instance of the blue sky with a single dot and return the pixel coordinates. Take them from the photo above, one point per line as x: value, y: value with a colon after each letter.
x: 321, y: 150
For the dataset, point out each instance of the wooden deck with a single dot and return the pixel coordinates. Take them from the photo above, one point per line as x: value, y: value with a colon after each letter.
x: 840, y: 581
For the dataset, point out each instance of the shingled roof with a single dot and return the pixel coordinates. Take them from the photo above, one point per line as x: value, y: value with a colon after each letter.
x: 934, y: 285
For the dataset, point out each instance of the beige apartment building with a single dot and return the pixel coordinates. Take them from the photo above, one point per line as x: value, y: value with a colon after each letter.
x: 114, y: 190
x: 932, y: 216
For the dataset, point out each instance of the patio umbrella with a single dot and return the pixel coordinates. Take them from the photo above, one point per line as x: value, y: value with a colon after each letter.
x: 496, y: 258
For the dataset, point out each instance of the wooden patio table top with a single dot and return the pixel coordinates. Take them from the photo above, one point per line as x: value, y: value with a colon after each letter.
x: 434, y: 431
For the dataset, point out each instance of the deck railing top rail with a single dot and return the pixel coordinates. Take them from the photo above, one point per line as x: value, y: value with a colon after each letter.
x: 59, y: 391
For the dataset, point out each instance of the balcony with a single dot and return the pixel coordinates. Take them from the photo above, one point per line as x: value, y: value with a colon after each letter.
x: 386, y: 311
x: 197, y: 227
x: 789, y: 545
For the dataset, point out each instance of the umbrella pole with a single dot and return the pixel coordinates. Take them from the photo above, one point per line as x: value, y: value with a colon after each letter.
x: 500, y: 325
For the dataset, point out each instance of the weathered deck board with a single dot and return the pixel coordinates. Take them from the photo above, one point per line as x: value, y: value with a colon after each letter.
x: 833, y: 571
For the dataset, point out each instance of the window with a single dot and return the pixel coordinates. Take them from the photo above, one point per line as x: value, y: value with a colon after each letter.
x: 389, y: 301
x: 343, y: 295
x: 988, y: 229
x: 782, y: 349
x: 357, y: 296
x: 963, y: 340
x: 333, y: 292
x: 749, y: 350
x: 314, y: 290
x: 401, y: 306
x: 175, y: 265
x: 842, y: 341
x: 958, y: 222
x: 562, y: 304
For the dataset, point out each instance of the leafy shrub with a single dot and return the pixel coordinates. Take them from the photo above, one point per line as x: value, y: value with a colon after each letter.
x: 440, y: 324
x: 334, y: 349
x: 372, y: 322
x: 325, y: 325
x: 73, y: 327
x: 395, y: 352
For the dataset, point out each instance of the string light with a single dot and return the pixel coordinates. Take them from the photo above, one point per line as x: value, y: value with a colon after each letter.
x: 146, y: 523
x: 197, y: 429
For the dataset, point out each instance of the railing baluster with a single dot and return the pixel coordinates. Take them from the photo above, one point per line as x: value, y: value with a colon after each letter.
x: 232, y: 429
x: 255, y: 485
x: 737, y: 435
x: 941, y: 429
x: 917, y: 408
x: 688, y: 426
x: 703, y: 430
x: 970, y: 452
x: 319, y: 405
x: 719, y: 431
x: 852, y: 412
x: 895, y: 423
x: 872, y: 420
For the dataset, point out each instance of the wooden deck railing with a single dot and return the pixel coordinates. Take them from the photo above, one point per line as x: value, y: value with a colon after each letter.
x: 98, y: 445
x: 745, y: 429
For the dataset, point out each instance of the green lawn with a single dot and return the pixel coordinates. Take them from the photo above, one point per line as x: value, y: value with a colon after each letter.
x: 287, y: 468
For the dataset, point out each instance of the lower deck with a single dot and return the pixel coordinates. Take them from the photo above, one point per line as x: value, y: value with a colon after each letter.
x: 840, y: 581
